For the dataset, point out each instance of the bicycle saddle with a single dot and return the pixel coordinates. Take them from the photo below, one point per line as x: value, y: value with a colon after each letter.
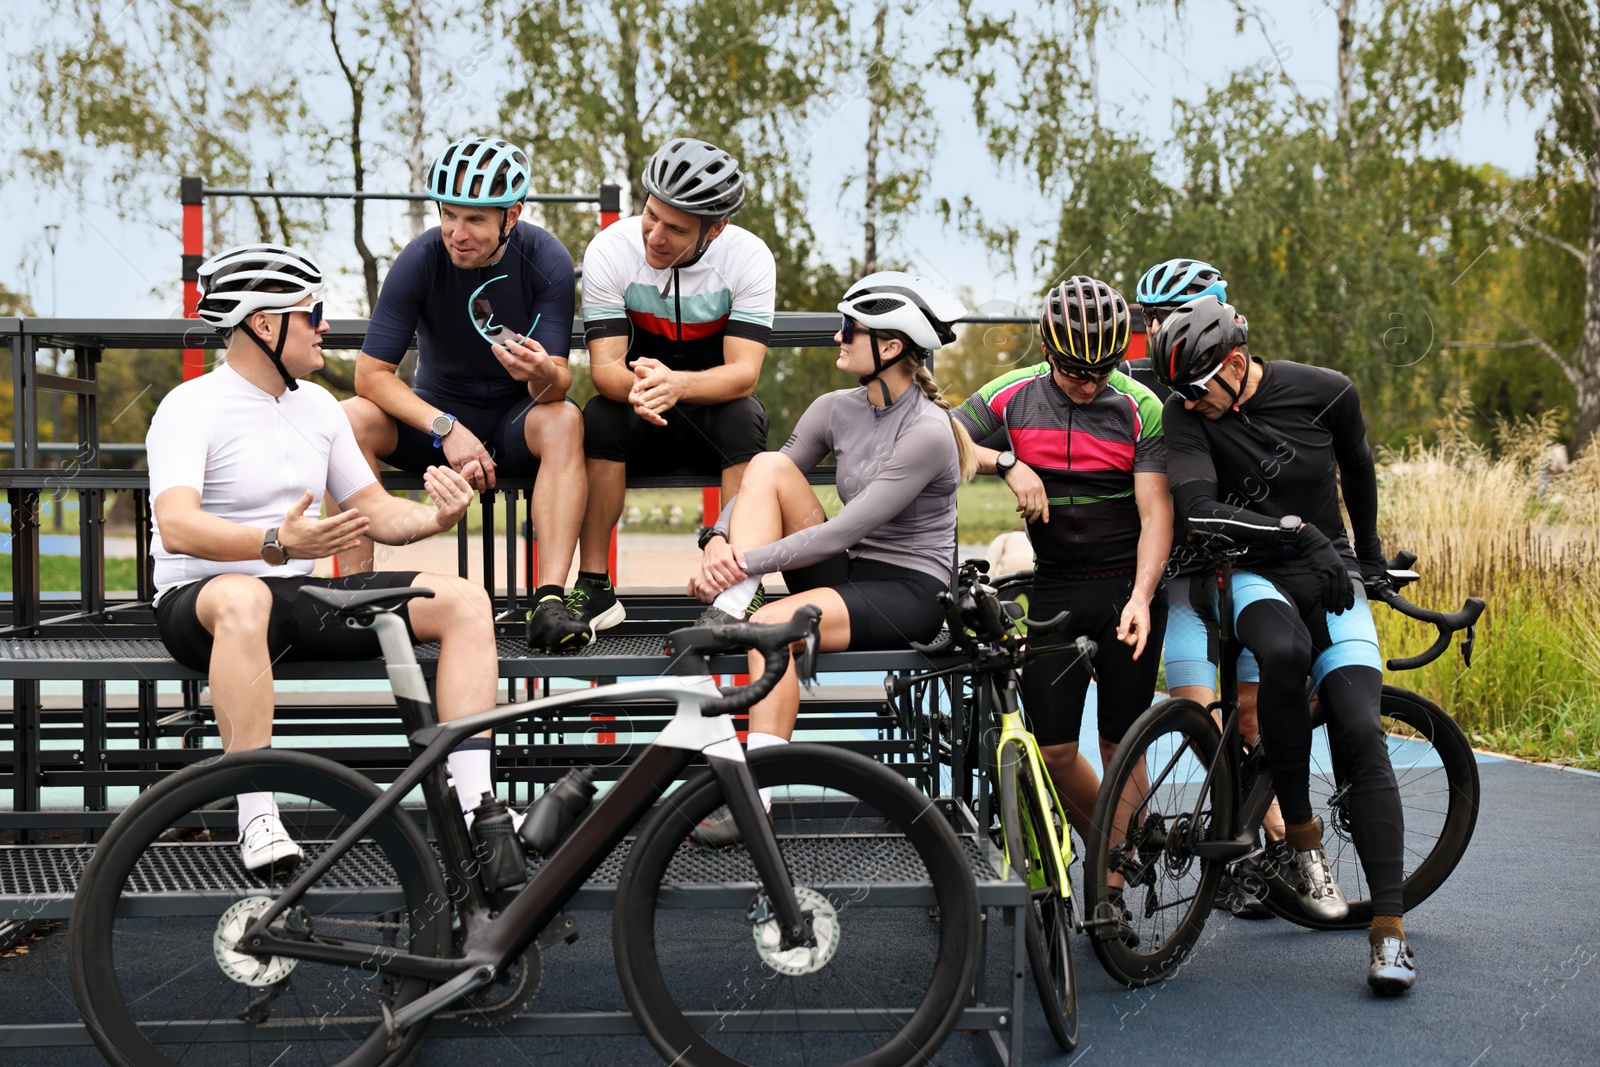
x: 363, y: 601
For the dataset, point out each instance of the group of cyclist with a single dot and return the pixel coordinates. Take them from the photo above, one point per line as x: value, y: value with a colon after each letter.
x: 678, y: 310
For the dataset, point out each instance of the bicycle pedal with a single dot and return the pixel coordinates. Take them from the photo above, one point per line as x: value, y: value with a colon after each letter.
x: 564, y: 927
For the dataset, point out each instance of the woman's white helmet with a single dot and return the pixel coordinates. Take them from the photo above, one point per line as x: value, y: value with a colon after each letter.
x: 241, y: 281
x: 895, y: 300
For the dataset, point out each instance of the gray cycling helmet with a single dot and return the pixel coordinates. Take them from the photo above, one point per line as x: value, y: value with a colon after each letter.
x: 696, y: 177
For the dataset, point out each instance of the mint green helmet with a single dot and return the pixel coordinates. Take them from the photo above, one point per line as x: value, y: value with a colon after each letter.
x: 480, y: 172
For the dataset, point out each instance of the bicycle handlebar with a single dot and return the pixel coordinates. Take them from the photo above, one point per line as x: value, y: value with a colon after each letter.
x: 1465, y: 618
x: 773, y: 640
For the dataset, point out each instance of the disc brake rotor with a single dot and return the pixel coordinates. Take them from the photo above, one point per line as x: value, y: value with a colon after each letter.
x: 242, y: 967
x: 801, y: 959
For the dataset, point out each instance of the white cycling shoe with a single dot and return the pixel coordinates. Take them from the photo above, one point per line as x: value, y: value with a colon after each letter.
x: 267, y: 849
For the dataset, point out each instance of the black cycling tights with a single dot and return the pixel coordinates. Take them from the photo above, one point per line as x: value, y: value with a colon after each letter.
x: 1283, y: 645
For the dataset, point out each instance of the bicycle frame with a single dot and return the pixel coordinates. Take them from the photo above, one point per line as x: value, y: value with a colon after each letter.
x: 1012, y: 731
x: 494, y: 940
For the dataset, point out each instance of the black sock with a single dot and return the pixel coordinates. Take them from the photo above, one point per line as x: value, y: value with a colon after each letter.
x: 546, y: 590
x: 601, y: 578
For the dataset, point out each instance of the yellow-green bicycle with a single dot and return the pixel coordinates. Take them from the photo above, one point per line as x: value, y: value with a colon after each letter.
x: 992, y: 637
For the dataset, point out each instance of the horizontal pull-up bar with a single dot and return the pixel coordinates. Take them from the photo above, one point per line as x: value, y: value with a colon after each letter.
x: 531, y: 198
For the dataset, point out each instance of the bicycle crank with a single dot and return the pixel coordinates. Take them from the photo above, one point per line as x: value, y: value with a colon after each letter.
x: 799, y: 959
x: 243, y: 967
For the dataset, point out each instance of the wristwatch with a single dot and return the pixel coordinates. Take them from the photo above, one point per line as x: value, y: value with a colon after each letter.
x: 1289, y: 525
x: 707, y: 534
x: 1003, y: 464
x: 441, y: 426
x: 272, y: 549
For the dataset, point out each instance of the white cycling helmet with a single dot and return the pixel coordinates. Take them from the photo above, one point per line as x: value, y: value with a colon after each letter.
x: 241, y: 281
x: 895, y: 300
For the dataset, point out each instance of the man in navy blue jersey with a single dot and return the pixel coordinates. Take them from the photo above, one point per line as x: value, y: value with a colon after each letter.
x: 490, y: 301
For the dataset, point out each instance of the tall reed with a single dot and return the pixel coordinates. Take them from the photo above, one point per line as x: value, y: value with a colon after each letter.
x: 1503, y: 526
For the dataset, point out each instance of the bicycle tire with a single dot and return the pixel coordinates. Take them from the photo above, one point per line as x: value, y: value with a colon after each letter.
x: 1047, y: 925
x: 1170, y: 889
x: 683, y: 931
x: 1425, y: 743
x: 134, y: 956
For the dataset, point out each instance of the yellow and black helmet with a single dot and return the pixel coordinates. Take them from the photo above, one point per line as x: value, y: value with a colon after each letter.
x: 1085, y: 326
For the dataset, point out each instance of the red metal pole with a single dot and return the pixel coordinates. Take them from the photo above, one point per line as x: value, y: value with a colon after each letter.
x: 191, y: 193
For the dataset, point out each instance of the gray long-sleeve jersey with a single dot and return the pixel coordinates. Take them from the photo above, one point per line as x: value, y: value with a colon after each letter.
x: 897, y: 477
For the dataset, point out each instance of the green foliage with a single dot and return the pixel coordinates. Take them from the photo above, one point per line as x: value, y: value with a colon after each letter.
x: 603, y: 85
x: 60, y: 574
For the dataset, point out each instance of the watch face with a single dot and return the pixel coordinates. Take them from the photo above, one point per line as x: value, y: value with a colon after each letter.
x: 442, y: 424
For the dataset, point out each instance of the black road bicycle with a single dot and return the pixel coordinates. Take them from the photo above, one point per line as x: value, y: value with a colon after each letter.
x: 1182, y: 803
x: 724, y: 957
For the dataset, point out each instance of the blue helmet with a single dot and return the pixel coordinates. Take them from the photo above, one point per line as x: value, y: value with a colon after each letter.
x: 1178, y: 281
x: 480, y: 172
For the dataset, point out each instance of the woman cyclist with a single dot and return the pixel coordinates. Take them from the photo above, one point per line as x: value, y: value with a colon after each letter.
x: 877, y: 567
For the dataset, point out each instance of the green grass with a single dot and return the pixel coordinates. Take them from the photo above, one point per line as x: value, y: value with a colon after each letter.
x: 59, y: 574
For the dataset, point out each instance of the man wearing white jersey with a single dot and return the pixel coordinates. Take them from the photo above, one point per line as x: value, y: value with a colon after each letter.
x: 239, y: 460
x: 677, y: 313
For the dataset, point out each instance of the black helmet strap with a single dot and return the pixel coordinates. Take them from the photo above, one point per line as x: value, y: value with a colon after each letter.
x: 879, y: 365
x: 275, y: 354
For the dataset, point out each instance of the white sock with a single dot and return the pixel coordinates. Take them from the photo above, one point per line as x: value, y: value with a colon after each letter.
x: 735, y: 599
x: 470, y: 769
x: 754, y: 742
x: 254, y: 805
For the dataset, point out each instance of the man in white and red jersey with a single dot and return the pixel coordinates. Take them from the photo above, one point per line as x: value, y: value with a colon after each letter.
x: 677, y: 313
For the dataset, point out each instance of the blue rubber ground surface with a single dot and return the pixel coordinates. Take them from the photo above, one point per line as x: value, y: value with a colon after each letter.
x: 1509, y: 952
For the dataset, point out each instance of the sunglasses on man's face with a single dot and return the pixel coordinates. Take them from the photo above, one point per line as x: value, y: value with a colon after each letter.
x: 1196, y: 390
x: 314, y: 310
x: 1089, y: 377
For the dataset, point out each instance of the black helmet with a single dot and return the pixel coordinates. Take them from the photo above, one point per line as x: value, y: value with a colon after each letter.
x: 696, y: 177
x: 1085, y: 326
x: 1194, y: 340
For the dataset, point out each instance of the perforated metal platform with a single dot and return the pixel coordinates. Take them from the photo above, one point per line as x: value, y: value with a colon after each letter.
x: 145, y: 658
x: 38, y: 881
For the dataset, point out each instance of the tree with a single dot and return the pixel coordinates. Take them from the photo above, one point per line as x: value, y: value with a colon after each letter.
x: 601, y: 86
x: 899, y: 126
x: 1547, y: 52
x: 106, y: 110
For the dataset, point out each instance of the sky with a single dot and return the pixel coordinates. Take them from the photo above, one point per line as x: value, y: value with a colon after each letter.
x: 107, y: 266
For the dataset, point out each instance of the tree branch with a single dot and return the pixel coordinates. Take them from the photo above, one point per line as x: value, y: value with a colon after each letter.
x: 1566, y: 246
x: 1561, y: 361
x: 1247, y: 14
x: 1525, y: 343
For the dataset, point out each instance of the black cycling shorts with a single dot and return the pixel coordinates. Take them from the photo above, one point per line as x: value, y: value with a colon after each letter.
x: 889, y: 606
x: 697, y: 437
x: 298, y: 628
x: 501, y: 429
x: 1054, y: 687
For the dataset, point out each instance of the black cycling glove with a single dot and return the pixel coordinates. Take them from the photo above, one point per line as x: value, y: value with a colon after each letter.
x: 1374, y: 575
x: 1338, y: 595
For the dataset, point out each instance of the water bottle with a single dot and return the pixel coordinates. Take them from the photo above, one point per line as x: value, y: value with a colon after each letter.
x: 553, y: 814
x: 498, y: 848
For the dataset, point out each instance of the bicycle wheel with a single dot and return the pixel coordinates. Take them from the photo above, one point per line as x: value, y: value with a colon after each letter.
x: 1438, y: 778
x: 869, y: 856
x: 1048, y: 917
x: 153, y: 967
x: 1150, y: 813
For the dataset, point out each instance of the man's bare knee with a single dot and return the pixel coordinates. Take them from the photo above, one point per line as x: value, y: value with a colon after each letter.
x: 234, y: 604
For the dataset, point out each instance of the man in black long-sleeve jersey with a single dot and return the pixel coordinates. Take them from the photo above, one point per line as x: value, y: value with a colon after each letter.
x: 1256, y: 454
